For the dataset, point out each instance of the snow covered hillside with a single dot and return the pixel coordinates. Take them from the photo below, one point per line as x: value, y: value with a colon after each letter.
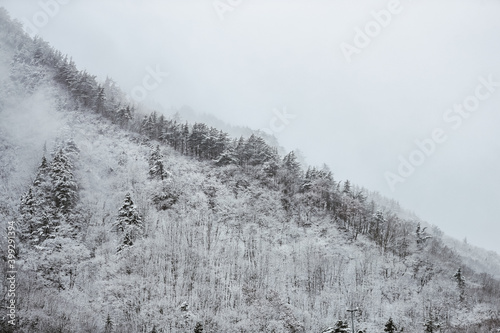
x: 129, y: 221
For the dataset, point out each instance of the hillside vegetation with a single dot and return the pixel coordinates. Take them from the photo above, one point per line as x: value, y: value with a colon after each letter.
x: 129, y: 221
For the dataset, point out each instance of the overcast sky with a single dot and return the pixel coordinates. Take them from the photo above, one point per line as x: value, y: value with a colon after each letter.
x: 327, y: 78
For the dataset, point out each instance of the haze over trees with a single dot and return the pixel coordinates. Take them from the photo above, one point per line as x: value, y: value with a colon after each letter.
x: 129, y: 221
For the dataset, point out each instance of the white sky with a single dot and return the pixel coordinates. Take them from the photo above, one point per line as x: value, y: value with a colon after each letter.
x: 357, y: 117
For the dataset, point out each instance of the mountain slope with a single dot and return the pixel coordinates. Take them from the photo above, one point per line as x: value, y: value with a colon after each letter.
x: 127, y: 221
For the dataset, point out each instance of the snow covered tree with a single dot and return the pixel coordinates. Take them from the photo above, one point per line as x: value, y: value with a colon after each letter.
x: 198, y: 328
x: 124, y: 115
x: 64, y: 187
x: 431, y: 325
x: 100, y: 100
x: 290, y: 174
x: 422, y: 236
x: 36, y: 207
x: 128, y: 223
x: 347, y: 188
x: 156, y: 168
x: 148, y: 126
x: 227, y: 157
x: 390, y: 327
x: 460, y: 283
x: 255, y: 151
x: 108, y: 327
x: 376, y: 224
x: 341, y: 327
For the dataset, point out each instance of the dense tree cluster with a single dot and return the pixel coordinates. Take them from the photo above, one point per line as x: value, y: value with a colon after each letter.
x: 50, y: 199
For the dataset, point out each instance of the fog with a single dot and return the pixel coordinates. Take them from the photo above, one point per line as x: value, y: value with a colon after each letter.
x: 314, y: 74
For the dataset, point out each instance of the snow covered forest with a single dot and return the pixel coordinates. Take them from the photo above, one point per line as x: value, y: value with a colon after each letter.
x: 131, y: 221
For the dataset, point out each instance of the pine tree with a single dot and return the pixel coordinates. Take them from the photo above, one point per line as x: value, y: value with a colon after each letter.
x: 376, y: 224
x: 227, y: 158
x: 156, y: 168
x: 460, y: 283
x: 124, y: 115
x: 148, y: 126
x: 108, y: 327
x: 291, y: 164
x: 100, y: 100
x: 421, y: 236
x: 128, y: 223
x: 347, y: 188
x: 390, y: 327
x: 240, y: 151
x: 256, y: 151
x: 37, y: 209
x: 64, y: 188
x: 184, y: 138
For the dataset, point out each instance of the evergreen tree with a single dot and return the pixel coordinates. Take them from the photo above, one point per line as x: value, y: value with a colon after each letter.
x: 148, y: 126
x: 240, y: 151
x: 290, y: 174
x: 291, y: 164
x: 390, y: 327
x: 108, y: 327
x: 100, y: 100
x: 64, y: 188
x: 256, y: 151
x: 222, y: 143
x: 128, y: 223
x: 347, y: 188
x: 124, y: 115
x: 227, y: 157
x: 156, y: 167
x: 36, y: 207
x: 376, y: 224
x: 184, y: 137
x: 460, y: 283
x: 421, y: 236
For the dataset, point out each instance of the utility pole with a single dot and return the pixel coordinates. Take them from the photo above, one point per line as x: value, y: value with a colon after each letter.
x: 352, y: 317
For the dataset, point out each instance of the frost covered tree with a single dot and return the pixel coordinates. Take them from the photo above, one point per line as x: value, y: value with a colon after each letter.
x: 198, y: 328
x: 459, y: 278
x: 347, y: 188
x: 108, y: 326
x: 124, y: 115
x: 156, y: 167
x: 341, y: 327
x: 64, y: 187
x: 377, y: 224
x: 390, y: 327
x: 422, y: 236
x: 100, y: 100
x: 431, y: 325
x: 290, y: 174
x: 36, y: 207
x: 128, y: 223
x: 227, y: 157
